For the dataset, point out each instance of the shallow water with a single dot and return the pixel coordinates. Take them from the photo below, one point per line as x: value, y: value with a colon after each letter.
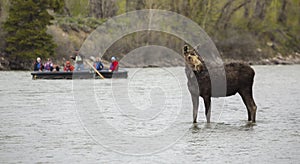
x: 146, y: 118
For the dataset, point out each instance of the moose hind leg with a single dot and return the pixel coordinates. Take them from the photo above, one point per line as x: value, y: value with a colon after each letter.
x: 195, y: 100
x: 207, y: 104
x: 250, y: 104
x: 254, y: 108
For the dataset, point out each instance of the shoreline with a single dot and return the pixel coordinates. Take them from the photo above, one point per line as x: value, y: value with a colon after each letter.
x: 278, y: 60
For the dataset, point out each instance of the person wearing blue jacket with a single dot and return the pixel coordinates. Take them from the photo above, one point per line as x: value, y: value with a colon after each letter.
x: 98, y: 64
x: 38, y: 66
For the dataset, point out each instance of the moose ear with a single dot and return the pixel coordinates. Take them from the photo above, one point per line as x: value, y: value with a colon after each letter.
x: 185, y: 48
x: 195, y: 52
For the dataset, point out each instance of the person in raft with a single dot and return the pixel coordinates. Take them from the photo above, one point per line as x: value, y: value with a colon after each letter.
x: 98, y: 64
x: 38, y: 66
x: 114, y: 66
x: 68, y: 67
x: 55, y: 68
x: 48, y: 65
x: 78, y: 58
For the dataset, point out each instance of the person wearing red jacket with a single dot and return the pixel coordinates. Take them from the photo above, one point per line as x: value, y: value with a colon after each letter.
x: 114, y: 66
x: 68, y: 67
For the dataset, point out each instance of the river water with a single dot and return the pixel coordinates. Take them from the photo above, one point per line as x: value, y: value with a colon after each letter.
x: 146, y: 118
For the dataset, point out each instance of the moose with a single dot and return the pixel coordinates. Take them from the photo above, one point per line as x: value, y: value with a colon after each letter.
x: 239, y: 79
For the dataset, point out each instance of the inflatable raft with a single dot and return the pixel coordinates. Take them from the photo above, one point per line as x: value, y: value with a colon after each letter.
x: 79, y: 75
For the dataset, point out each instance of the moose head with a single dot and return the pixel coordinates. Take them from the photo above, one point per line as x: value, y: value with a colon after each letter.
x: 192, y: 59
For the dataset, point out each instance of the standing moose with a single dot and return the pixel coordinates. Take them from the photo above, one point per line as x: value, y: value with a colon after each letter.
x: 239, y: 79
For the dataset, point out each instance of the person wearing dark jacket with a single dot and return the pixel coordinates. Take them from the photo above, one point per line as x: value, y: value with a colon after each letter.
x: 98, y: 64
x: 38, y: 66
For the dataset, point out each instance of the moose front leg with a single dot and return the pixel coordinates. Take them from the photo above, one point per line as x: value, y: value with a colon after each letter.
x: 195, y: 100
x: 207, y: 103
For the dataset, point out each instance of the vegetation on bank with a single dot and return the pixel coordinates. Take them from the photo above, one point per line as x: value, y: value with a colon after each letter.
x: 26, y: 28
x: 248, y: 30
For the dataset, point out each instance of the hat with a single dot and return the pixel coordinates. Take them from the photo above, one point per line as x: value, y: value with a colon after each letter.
x: 113, y: 58
x: 38, y: 59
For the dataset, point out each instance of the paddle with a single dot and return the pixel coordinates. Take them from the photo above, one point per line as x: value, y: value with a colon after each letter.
x: 102, y: 77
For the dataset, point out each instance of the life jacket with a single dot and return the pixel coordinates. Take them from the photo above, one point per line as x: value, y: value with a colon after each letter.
x: 114, y: 66
x: 99, y: 66
x: 48, y: 66
x: 39, y: 66
x: 78, y: 59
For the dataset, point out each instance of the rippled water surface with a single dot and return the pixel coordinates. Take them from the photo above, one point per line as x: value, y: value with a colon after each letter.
x: 146, y: 119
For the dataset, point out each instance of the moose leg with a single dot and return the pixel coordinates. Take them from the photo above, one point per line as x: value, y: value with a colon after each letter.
x: 245, y: 98
x: 250, y: 104
x: 253, y: 107
x: 207, y: 103
x: 195, y: 100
